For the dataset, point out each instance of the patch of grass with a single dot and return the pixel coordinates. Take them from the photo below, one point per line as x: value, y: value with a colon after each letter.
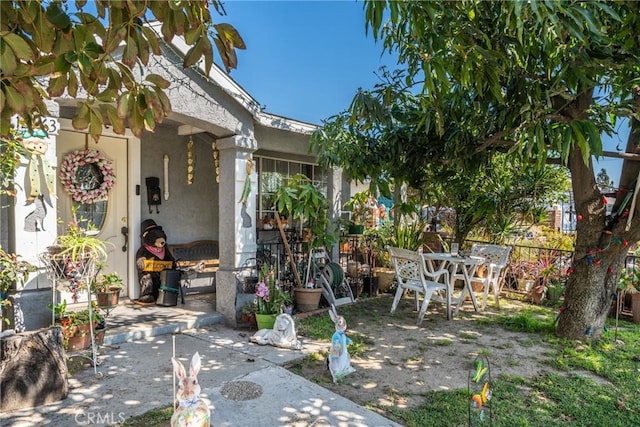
x: 467, y: 335
x: 442, y: 343
x: 484, y: 352
x: 155, y: 417
x: 316, y: 327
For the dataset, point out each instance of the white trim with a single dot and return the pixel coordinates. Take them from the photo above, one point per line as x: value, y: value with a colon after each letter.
x: 134, y: 213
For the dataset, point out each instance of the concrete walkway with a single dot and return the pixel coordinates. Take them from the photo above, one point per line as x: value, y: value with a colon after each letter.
x: 244, y: 383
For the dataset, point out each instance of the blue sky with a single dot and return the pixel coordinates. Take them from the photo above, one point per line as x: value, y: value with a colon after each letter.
x: 305, y: 59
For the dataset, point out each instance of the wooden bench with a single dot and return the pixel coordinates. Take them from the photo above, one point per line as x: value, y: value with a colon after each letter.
x: 190, y: 254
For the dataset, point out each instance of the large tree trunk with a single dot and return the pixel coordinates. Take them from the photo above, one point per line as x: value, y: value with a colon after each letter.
x: 600, y: 252
x: 33, y: 369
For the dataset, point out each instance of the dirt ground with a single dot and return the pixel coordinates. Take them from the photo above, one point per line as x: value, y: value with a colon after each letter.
x: 403, y: 361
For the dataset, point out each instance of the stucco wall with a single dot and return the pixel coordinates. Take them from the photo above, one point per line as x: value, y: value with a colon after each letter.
x: 295, y: 145
x: 191, y: 213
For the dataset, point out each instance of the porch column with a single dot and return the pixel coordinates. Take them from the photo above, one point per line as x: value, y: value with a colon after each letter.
x: 237, y: 233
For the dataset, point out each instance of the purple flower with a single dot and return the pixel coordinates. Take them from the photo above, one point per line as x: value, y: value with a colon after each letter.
x: 262, y: 291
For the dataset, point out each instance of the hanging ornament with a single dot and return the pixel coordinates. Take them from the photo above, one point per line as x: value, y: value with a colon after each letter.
x: 604, y: 200
x: 609, y: 270
x: 216, y: 161
x: 579, y: 217
x: 191, y: 162
x: 246, y: 190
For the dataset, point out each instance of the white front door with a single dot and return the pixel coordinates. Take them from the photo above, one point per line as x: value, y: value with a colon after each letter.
x: 111, y: 218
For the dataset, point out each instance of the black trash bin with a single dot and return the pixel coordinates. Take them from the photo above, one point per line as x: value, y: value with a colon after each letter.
x: 169, y: 288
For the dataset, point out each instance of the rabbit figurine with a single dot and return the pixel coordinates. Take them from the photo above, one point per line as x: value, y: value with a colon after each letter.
x: 191, y: 410
x: 339, y: 362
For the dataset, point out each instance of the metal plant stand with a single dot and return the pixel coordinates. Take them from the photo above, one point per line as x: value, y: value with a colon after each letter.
x: 65, y: 274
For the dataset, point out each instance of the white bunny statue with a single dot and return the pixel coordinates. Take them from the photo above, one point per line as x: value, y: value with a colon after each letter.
x: 191, y: 410
x: 339, y: 362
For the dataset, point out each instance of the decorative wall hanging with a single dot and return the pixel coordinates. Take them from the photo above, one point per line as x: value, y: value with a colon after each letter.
x: 87, y: 176
x: 34, y: 221
x: 216, y: 161
x: 246, y: 192
x: 166, y: 177
x: 36, y: 145
x: 191, y: 162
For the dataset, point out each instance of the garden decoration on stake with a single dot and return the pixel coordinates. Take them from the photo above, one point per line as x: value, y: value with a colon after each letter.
x: 479, y: 388
x: 338, y: 361
x: 192, y: 410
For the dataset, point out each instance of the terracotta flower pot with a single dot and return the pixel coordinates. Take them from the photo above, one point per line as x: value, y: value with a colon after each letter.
x: 307, y: 299
x: 108, y: 299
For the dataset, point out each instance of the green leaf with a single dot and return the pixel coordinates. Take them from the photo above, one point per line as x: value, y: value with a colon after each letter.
x: 95, y: 124
x: 81, y: 120
x: 143, y: 49
x: 43, y: 66
x: 193, y: 55
x: 116, y: 36
x: 152, y: 39
x: 231, y: 35
x: 72, y: 85
x: 58, y: 17
x: 124, y: 105
x: 14, y: 99
x: 164, y: 101
x: 149, y: 122
x: 130, y: 54
x: 136, y: 121
x: 116, y: 122
x: 193, y: 35
x: 158, y: 81
x: 57, y: 85
x: 20, y: 47
x: 8, y: 59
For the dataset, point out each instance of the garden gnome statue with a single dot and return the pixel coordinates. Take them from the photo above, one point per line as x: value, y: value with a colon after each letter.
x: 153, y: 248
x: 282, y: 335
x: 339, y: 361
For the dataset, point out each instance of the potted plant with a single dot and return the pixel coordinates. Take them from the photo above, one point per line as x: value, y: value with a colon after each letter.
x: 300, y: 200
x: 75, y: 257
x: 248, y: 315
x: 360, y: 207
x: 76, y: 326
x: 548, y: 275
x: 106, y: 288
x: 270, y: 299
x: 13, y: 270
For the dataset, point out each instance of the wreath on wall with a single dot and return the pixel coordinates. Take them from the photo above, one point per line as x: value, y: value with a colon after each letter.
x: 92, y: 187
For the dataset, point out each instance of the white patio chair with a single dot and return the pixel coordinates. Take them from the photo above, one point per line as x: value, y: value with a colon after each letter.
x: 496, y: 259
x: 413, y: 274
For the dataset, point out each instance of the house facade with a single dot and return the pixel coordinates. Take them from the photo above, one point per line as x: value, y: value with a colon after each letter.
x: 200, y: 158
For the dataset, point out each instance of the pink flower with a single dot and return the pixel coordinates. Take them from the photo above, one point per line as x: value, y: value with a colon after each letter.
x: 262, y: 291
